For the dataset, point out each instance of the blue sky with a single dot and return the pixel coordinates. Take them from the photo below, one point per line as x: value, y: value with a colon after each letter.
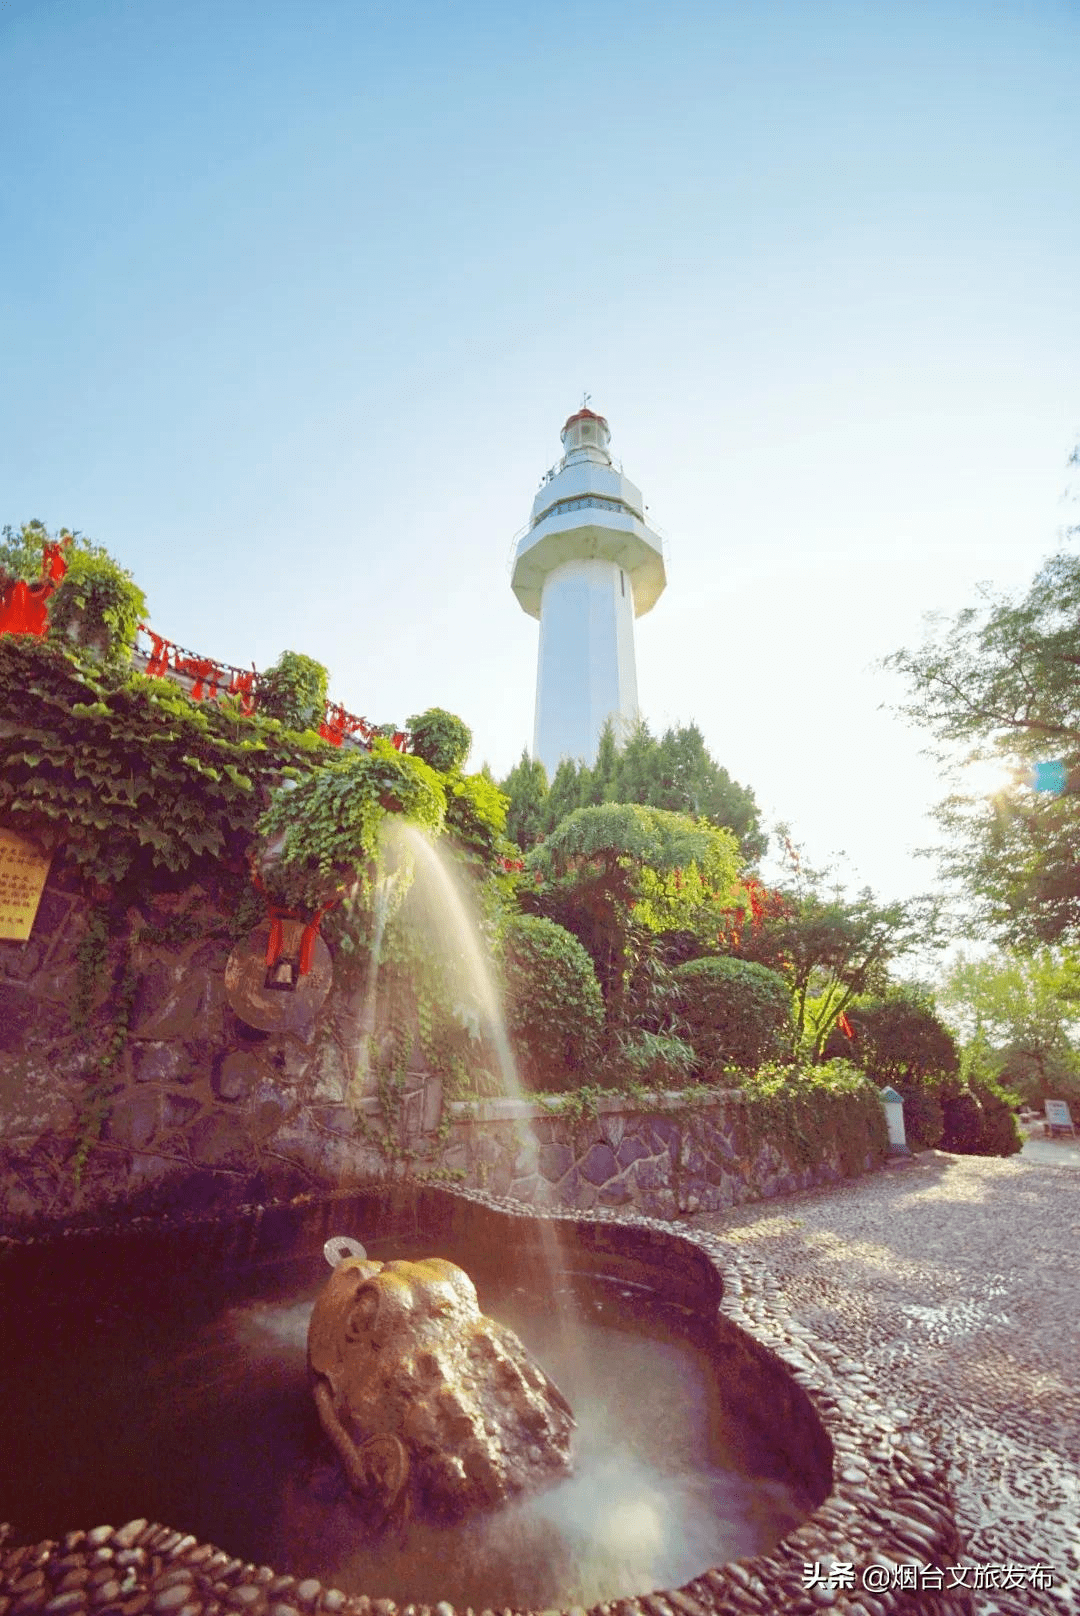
x: 295, y: 300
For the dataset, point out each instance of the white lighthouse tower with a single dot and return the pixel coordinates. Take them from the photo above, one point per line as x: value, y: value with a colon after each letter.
x: 586, y: 567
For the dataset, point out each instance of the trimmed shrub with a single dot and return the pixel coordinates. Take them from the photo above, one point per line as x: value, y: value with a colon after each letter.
x: 999, y: 1131
x: 440, y: 738
x: 554, y: 1010
x: 962, y: 1122
x: 738, y: 1013
x: 899, y: 1039
x: 924, y: 1118
x: 294, y: 691
x: 979, y: 1120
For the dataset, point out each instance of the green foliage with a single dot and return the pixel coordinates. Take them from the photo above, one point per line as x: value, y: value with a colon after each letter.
x: 98, y: 604
x: 475, y: 816
x: 526, y: 789
x: 977, y: 1109
x: 675, y: 773
x: 324, y: 827
x: 645, y: 839
x: 810, y: 1112
x: 652, y: 992
x: 999, y: 1131
x: 924, y: 1114
x: 441, y: 739
x: 900, y: 1039
x: 738, y: 1013
x: 294, y: 691
x: 554, y: 1010
x: 133, y: 780
x: 21, y: 552
x: 611, y: 872
x: 638, y: 1058
x: 831, y: 948
x: 961, y: 1121
x: 1023, y: 1010
x: 1000, y: 683
x: 564, y: 795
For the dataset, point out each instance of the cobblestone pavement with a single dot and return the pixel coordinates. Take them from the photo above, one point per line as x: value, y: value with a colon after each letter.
x: 955, y: 1282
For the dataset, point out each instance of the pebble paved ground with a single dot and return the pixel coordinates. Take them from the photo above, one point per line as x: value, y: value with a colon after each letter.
x: 955, y: 1281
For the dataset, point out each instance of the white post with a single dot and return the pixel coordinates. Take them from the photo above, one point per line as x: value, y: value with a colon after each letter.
x: 894, y: 1121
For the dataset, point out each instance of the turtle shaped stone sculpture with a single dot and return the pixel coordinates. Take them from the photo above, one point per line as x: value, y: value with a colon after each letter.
x: 429, y: 1404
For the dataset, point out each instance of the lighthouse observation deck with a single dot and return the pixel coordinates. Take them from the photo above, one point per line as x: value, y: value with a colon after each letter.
x: 588, y: 511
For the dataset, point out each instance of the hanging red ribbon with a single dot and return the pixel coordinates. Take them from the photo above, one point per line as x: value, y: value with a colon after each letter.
x: 243, y: 685
x: 203, y: 671
x: 158, y: 665
x: 23, y: 608
x: 311, y: 932
x: 208, y: 680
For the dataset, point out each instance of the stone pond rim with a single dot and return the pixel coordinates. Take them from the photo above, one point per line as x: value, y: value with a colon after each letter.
x: 881, y: 1495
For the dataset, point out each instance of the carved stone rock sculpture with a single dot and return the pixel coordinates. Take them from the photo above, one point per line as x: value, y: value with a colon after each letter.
x: 428, y: 1402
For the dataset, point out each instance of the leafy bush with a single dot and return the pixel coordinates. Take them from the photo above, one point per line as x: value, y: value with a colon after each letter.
x: 99, y: 604
x: 999, y: 1131
x: 656, y: 1060
x: 554, y: 1011
x: 899, y: 1039
x: 738, y: 1013
x: 812, y: 1112
x: 441, y: 739
x: 475, y: 815
x: 294, y: 691
x: 924, y: 1117
x: 978, y: 1114
x: 323, y: 829
x: 962, y: 1122
x: 133, y: 781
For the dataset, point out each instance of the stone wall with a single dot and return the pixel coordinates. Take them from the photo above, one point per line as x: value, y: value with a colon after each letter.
x: 663, y: 1159
x: 198, y: 1109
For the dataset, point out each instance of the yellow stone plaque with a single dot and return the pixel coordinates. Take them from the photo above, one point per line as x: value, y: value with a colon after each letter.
x: 23, y: 871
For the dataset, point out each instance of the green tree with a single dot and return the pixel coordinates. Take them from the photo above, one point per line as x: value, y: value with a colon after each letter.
x: 598, y: 784
x: 675, y: 772
x: 1019, y: 1016
x: 564, y: 795
x: 611, y: 872
x: 526, y: 789
x: 831, y: 948
x: 687, y: 780
x: 1000, y: 684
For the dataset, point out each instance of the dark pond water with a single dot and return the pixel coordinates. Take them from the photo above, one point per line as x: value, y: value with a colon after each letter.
x: 158, y: 1394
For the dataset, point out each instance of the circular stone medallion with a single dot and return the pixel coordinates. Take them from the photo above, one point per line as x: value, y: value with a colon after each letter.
x: 249, y: 989
x: 340, y: 1246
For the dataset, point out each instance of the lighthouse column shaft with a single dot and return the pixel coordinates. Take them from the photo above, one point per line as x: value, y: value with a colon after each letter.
x: 586, y: 671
